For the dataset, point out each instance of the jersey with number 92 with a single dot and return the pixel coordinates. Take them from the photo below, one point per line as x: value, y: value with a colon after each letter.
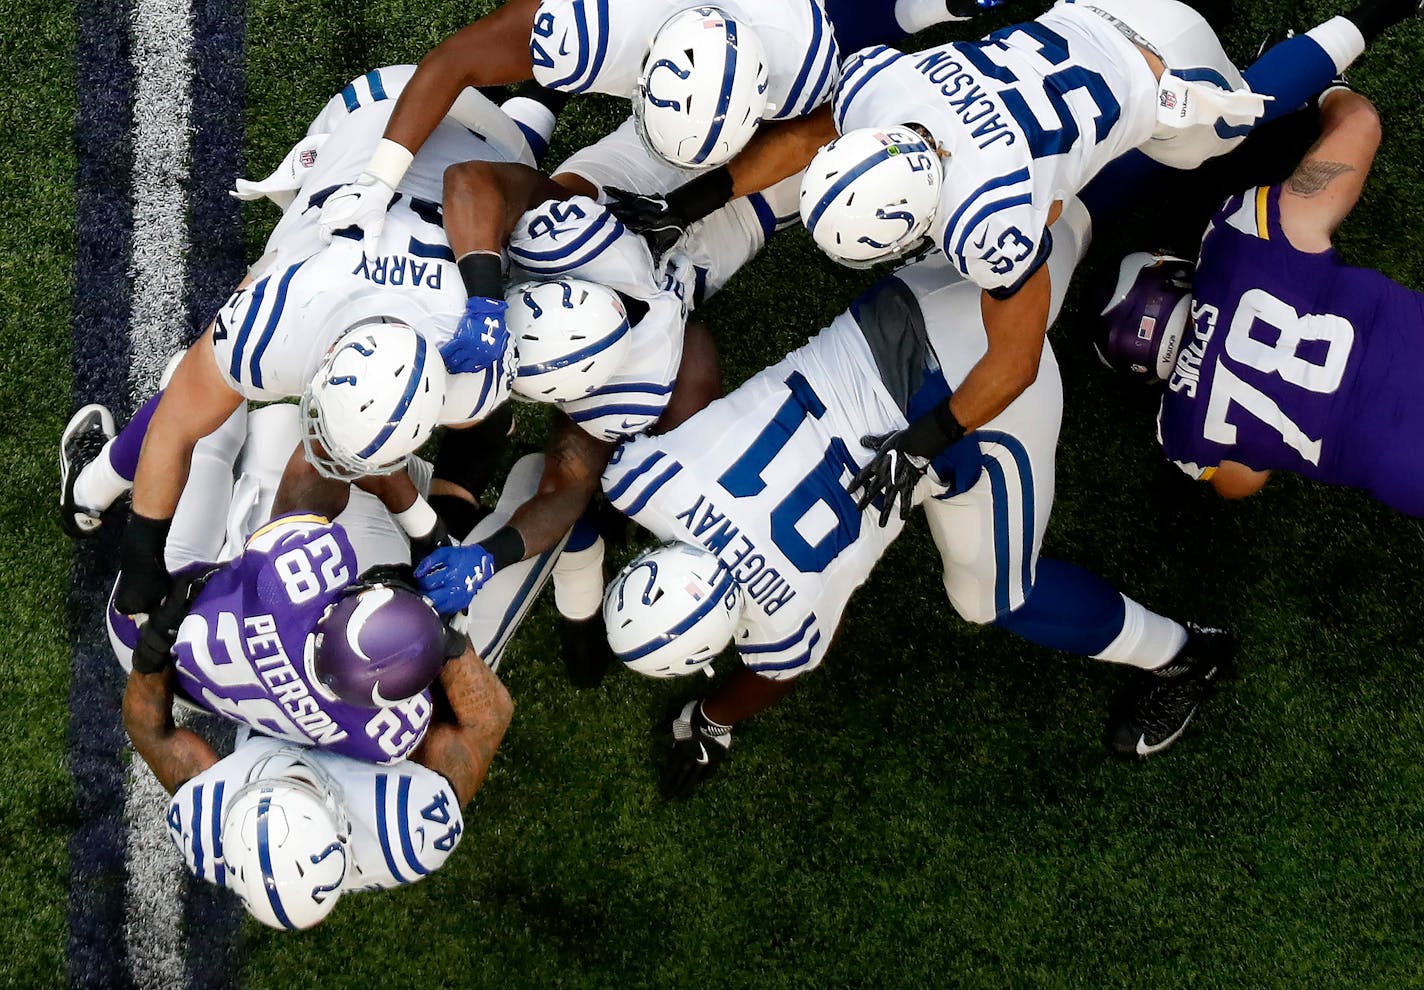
x: 1027, y: 116
x: 1297, y: 362
x: 244, y: 650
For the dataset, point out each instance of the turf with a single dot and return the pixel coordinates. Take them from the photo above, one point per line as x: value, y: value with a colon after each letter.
x: 933, y: 806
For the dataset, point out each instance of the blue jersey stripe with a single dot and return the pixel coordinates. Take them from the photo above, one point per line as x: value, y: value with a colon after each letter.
x: 215, y: 827
x: 764, y: 214
x: 403, y: 818
x: 616, y: 492
x: 652, y: 488
x: 799, y: 661
x: 563, y: 252
x: 424, y: 249
x: 506, y: 623
x: 1000, y: 493
x: 258, y: 291
x: 382, y: 833
x: 348, y: 96
x: 817, y: 93
x: 254, y: 366
x: 983, y: 214
x: 1019, y: 453
x: 780, y: 645
x: 794, y: 96
x: 724, y: 98
x: 393, y: 420
x: 570, y: 83
x: 602, y: 51
x: 197, y: 826
x: 264, y: 859
x: 999, y: 183
x: 714, y: 600
x: 378, y: 90
x: 862, y: 77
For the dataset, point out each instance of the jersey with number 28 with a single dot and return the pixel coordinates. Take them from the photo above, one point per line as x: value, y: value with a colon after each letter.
x: 243, y: 651
x: 1297, y: 362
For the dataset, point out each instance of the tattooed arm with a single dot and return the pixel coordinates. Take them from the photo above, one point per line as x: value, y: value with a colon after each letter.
x: 174, y: 754
x: 462, y: 750
x: 1327, y: 183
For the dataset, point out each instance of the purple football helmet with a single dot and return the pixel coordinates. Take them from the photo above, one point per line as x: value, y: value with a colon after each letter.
x: 1146, y: 317
x: 377, y: 646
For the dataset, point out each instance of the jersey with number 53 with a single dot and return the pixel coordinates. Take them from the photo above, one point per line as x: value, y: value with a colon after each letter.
x: 244, y: 649
x: 1027, y: 116
x: 405, y: 819
x: 1297, y: 362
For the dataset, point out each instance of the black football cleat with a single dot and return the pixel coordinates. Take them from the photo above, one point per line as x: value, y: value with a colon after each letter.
x: 587, y: 655
x: 82, y: 441
x: 1152, y: 710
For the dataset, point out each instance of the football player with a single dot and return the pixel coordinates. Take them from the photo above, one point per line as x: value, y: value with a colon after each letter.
x: 971, y: 148
x: 354, y: 334
x: 1290, y: 359
x: 757, y: 482
x: 290, y: 829
x: 701, y: 77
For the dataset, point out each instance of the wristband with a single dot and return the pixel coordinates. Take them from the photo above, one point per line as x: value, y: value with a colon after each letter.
x: 482, y: 274
x: 703, y: 196
x: 505, y: 547
x: 418, y: 520
x: 389, y: 162
x: 933, y: 432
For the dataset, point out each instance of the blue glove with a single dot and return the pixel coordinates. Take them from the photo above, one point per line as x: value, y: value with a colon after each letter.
x: 481, y: 338
x: 451, y: 576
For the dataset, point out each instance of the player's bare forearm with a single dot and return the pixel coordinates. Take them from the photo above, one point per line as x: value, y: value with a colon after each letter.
x: 1327, y: 183
x: 303, y: 489
x: 1016, y: 328
x: 484, y: 200
x: 743, y: 695
x: 573, y: 463
x: 195, y: 403
x: 490, y: 52
x: 463, y: 751
x: 174, y: 755
x: 780, y: 150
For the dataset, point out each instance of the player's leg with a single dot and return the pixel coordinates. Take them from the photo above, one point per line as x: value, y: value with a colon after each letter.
x: 861, y: 23
x: 579, y: 580
x: 535, y: 109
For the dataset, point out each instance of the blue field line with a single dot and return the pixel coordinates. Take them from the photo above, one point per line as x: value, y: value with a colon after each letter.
x: 104, y: 223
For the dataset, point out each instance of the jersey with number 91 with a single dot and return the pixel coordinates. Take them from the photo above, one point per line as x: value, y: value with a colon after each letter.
x: 1297, y: 362
x: 244, y: 650
x: 1026, y: 116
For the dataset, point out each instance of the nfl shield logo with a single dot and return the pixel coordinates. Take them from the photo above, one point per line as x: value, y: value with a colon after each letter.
x: 1169, y: 100
x: 308, y: 158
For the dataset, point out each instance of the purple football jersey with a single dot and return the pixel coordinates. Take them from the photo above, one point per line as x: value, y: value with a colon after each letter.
x: 244, y: 650
x: 1297, y: 362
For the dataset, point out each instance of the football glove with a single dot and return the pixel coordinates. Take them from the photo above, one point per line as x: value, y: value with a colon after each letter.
x: 901, y: 460
x: 438, y: 537
x: 699, y: 747
x: 143, y: 573
x: 481, y: 338
x: 452, y: 576
x: 662, y: 220
x: 361, y: 204
x: 154, y: 652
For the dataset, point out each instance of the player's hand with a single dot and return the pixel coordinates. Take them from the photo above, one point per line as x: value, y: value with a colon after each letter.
x: 890, y: 477
x: 438, y: 538
x: 143, y: 573
x: 452, y: 576
x: 699, y: 747
x: 154, y: 652
x: 361, y: 204
x: 481, y: 338
x: 659, y: 223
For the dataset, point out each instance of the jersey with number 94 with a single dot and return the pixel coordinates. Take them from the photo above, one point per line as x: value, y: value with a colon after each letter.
x: 1297, y: 362
x: 405, y: 819
x: 243, y: 651
x: 1026, y: 116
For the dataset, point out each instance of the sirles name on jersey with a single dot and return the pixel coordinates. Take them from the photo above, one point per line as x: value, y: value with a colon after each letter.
x: 244, y: 650
x: 578, y: 238
x: 599, y: 45
x: 405, y: 819
x: 1026, y: 116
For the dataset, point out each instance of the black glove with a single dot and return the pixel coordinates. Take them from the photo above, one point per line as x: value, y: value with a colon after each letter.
x: 423, y: 546
x: 143, y: 575
x: 662, y: 220
x: 901, y: 460
x: 699, y: 747
x: 154, y: 652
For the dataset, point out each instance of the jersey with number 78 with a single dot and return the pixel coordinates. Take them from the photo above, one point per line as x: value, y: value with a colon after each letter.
x: 243, y: 650
x: 1297, y: 362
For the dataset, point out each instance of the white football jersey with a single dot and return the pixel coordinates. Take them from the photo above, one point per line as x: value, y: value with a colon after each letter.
x: 599, y: 45
x: 405, y: 819
x: 1027, y: 117
x: 577, y: 238
x: 759, y: 478
x: 270, y: 335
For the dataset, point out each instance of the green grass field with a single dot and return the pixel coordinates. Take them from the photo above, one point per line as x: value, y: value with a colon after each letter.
x: 931, y: 807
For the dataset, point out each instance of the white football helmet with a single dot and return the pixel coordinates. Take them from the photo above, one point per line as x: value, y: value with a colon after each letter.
x: 571, y: 337
x: 702, y: 91
x: 284, y: 842
x: 373, y: 401
x: 671, y: 610
x: 871, y: 194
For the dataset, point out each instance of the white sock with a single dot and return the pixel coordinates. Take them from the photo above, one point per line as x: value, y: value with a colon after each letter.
x: 531, y: 113
x: 1147, y: 640
x: 916, y: 15
x: 578, y: 582
x: 1341, y: 40
x: 99, y: 485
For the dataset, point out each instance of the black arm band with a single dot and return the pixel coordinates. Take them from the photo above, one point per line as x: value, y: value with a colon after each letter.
x: 482, y: 274
x: 505, y: 545
x: 933, y: 432
x: 703, y: 196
